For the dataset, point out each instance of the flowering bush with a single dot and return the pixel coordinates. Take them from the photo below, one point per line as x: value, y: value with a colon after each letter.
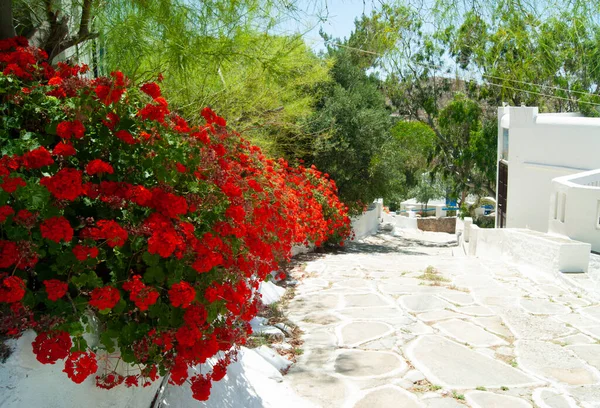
x: 119, y: 217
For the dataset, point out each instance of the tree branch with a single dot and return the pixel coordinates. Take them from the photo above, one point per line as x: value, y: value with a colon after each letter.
x: 7, y: 27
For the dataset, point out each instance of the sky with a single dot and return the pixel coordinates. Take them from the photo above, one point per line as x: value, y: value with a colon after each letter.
x: 337, y: 19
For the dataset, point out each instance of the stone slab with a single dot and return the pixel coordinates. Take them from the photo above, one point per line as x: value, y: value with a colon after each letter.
x: 526, y: 326
x: 483, y: 399
x: 576, y: 339
x: 449, y: 364
x: 442, y: 403
x: 593, y: 311
x: 321, y: 389
x: 553, y: 362
x: 590, y: 353
x: 359, y: 332
x: 475, y: 310
x: 543, y: 307
x: 423, y: 303
x: 376, y: 313
x: 578, y: 320
x: 438, y: 315
x: 466, y: 332
x: 459, y: 298
x: 493, y: 324
x: 365, y: 300
x: 588, y: 395
x: 549, y: 398
x: 389, y: 397
x: 360, y: 363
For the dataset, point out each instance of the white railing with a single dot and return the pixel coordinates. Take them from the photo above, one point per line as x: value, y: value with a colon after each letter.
x: 575, y: 207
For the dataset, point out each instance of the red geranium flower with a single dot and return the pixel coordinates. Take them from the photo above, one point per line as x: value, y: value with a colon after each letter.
x: 64, y: 185
x: 51, y: 346
x: 82, y: 253
x: 80, y: 366
x: 56, y: 289
x: 105, y: 298
x: 152, y: 89
x: 25, y: 218
x: 64, y: 149
x: 37, y: 158
x: 67, y: 129
x: 182, y: 294
x: 57, y: 229
x: 10, y: 184
x: 9, y: 253
x: 5, y: 211
x: 12, y: 289
x: 126, y: 137
x: 201, y: 386
x: 142, y: 295
x: 98, y: 166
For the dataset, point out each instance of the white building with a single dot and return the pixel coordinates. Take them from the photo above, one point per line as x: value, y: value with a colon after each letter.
x: 533, y: 150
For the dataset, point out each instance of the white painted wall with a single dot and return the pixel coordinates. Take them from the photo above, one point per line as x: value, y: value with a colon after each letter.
x: 574, y: 207
x: 541, y: 148
x: 25, y: 382
x: 543, y: 251
x: 368, y: 222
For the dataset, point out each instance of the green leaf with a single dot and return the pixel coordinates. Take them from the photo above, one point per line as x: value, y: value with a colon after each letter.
x: 89, y: 279
x: 151, y: 259
x: 107, y: 340
x: 79, y: 344
x: 119, y: 307
x: 154, y: 274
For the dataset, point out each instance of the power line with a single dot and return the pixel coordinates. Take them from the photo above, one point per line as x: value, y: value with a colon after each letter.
x: 490, y: 76
x: 533, y: 84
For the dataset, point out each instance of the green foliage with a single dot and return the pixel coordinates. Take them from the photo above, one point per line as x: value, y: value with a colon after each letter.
x: 221, y: 54
x: 429, y: 188
x: 355, y: 145
x: 462, y: 141
x: 415, y: 143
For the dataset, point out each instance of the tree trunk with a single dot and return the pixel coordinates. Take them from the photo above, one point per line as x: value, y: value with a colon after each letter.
x: 7, y: 27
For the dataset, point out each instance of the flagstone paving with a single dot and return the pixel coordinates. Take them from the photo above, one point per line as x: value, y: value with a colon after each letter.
x: 398, y: 321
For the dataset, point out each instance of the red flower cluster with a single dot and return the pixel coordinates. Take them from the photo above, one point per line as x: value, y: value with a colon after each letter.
x: 105, y: 298
x: 181, y: 294
x: 143, y: 296
x: 109, y: 230
x: 57, y: 229
x: 66, y: 129
x: 98, y: 166
x: 83, y: 253
x: 49, y: 347
x: 9, y: 253
x: 37, y: 158
x: 201, y: 386
x: 186, y: 218
x: 5, y: 211
x: 12, y: 289
x: 56, y: 289
x: 65, y: 184
x: 80, y: 366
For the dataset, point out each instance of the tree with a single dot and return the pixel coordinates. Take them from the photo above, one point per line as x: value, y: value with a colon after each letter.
x: 49, y: 26
x: 352, y: 121
x: 456, y: 159
x: 429, y: 188
x: 527, y: 53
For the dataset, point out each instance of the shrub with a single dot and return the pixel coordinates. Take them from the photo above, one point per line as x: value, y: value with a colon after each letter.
x: 119, y: 217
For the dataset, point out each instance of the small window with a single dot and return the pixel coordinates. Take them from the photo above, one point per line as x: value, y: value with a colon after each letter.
x: 504, y: 144
x: 556, y: 206
x: 563, y: 205
x: 598, y: 215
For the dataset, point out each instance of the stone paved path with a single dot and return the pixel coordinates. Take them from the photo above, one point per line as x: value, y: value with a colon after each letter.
x: 381, y: 329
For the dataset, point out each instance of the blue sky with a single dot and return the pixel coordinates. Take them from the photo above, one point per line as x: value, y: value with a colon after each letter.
x: 338, y: 15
